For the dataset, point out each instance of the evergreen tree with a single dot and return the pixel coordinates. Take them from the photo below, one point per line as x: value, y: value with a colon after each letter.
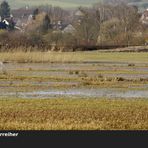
x: 46, y: 23
x: 35, y: 12
x: 4, y: 9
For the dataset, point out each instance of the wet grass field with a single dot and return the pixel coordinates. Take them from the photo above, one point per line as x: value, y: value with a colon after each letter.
x: 45, y: 80
x: 109, y: 91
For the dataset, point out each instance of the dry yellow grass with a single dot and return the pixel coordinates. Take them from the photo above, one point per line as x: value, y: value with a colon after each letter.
x: 73, y: 114
x: 73, y: 56
x: 39, y: 57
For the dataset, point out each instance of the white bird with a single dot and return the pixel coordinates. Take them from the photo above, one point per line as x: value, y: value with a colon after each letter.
x: 1, y: 64
x: 2, y: 67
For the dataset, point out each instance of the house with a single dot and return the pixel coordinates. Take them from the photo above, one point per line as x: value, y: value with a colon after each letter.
x: 7, y: 21
x: 22, y: 23
x: 22, y: 16
x: 69, y: 29
x: 22, y: 13
x: 144, y: 17
x: 8, y: 24
x: 59, y: 25
x: 3, y: 25
x: 79, y: 13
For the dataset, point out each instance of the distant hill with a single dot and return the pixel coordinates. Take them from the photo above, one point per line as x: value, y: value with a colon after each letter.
x: 61, y: 3
x: 67, y: 3
x: 141, y: 4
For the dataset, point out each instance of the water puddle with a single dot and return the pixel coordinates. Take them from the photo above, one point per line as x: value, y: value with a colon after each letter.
x: 89, y: 93
x: 15, y: 88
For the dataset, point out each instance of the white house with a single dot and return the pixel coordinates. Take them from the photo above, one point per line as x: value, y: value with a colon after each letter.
x: 144, y: 17
x: 6, y: 22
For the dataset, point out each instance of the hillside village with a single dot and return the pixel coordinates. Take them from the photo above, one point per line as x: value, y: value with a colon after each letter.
x: 80, y: 27
x: 23, y: 16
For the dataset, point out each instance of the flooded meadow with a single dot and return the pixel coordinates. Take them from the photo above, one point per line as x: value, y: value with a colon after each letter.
x: 74, y: 80
x: 88, y: 90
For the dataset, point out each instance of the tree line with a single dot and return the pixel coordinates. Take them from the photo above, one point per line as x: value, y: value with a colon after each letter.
x: 102, y: 24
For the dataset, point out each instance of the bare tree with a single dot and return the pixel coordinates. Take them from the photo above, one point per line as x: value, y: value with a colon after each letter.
x: 87, y: 29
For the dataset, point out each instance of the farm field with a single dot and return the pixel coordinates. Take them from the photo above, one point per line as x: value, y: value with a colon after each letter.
x: 74, y: 90
x: 73, y: 114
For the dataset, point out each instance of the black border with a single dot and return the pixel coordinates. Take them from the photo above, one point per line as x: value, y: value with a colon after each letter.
x: 78, y: 138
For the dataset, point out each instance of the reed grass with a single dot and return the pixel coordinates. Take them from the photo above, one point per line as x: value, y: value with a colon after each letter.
x: 24, y: 57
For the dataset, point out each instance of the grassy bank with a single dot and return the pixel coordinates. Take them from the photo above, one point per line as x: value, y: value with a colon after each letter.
x: 67, y: 114
x: 73, y: 56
